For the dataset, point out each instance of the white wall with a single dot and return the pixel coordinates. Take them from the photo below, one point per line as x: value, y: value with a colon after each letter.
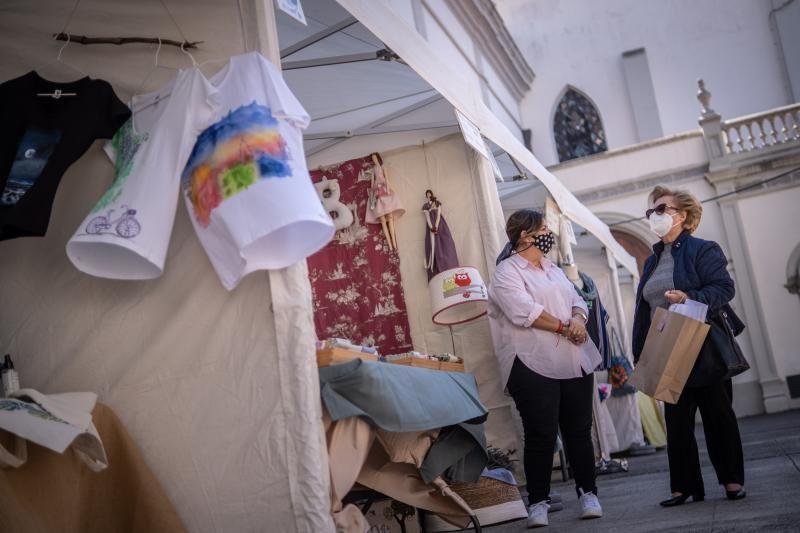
x: 446, y: 34
x: 655, y: 158
x: 771, y: 221
x: 580, y: 42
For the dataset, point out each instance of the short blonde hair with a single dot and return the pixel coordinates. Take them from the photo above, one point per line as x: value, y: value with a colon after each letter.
x: 684, y: 201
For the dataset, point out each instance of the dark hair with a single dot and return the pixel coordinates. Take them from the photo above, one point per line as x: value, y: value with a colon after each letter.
x: 528, y: 220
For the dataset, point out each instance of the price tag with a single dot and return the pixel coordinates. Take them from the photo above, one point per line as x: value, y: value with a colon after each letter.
x: 498, y: 176
x: 294, y: 9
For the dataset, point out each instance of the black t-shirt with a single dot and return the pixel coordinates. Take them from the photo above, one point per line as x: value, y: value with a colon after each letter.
x: 40, y: 137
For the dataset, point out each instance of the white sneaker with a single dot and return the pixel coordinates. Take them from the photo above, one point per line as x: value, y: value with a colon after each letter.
x: 590, y: 506
x: 537, y: 514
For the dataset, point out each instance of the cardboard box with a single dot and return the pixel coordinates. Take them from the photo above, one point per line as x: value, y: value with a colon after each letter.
x: 330, y: 356
x: 381, y: 518
x: 429, y: 363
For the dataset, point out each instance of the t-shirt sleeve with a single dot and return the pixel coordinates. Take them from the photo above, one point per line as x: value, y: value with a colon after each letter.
x: 283, y: 103
x: 113, y: 114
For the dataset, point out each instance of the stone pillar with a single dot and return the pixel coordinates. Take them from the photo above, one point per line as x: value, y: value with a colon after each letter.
x: 773, y: 389
x: 619, y: 309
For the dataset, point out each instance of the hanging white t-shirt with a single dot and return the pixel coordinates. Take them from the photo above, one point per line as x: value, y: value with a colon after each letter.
x: 246, y: 184
x: 127, y: 234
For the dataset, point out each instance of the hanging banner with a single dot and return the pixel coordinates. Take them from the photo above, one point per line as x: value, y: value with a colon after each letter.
x: 472, y: 135
x: 552, y: 215
x: 294, y: 9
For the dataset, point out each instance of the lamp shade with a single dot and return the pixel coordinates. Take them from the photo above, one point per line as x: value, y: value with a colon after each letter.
x: 458, y: 295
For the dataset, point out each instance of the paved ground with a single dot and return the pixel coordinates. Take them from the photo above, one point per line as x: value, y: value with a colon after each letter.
x: 630, y: 501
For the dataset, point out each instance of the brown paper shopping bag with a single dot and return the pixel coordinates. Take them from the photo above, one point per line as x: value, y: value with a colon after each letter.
x: 670, y: 351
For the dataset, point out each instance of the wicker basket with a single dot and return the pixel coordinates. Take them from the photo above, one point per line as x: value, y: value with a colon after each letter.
x: 493, y: 501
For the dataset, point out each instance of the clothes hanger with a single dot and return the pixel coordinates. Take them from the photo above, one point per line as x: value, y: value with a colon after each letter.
x: 158, y: 97
x: 58, y: 93
x: 185, y: 51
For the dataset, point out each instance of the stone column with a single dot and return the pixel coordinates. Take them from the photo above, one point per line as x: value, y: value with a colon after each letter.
x: 773, y: 389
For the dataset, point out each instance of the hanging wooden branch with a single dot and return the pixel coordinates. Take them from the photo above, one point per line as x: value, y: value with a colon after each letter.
x: 83, y: 39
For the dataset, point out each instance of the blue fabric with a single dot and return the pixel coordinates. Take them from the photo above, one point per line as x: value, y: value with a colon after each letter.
x: 597, y: 320
x: 398, y: 397
x: 700, y: 271
x: 604, y: 346
x: 500, y: 474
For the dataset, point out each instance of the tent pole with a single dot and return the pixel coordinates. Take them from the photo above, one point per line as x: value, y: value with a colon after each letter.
x: 616, y: 293
x: 378, y: 55
x: 294, y: 356
x: 346, y: 134
x: 374, y: 124
x: 317, y: 37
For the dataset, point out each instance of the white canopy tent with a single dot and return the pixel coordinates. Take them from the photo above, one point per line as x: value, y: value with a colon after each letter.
x: 220, y: 389
x: 340, y: 97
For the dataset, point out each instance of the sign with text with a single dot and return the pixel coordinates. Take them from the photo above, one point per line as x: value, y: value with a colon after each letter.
x: 472, y: 135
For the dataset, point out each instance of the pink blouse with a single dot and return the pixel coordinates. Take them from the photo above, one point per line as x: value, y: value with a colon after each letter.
x: 518, y: 294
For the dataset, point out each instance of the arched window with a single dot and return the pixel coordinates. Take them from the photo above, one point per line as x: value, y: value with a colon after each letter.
x: 793, y: 272
x: 577, y: 127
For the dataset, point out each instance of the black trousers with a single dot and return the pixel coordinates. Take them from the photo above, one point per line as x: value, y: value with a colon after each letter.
x: 544, y: 404
x: 722, y: 438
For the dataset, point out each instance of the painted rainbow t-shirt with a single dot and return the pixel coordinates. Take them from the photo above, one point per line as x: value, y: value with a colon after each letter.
x: 231, y: 155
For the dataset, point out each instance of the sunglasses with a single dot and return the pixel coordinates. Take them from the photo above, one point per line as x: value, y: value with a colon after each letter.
x: 660, y: 209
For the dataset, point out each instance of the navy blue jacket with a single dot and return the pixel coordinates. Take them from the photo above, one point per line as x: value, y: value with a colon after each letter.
x: 700, y: 271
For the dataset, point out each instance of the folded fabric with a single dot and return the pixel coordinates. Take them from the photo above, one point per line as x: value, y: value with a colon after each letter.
x: 457, y: 454
x: 55, y: 421
x: 400, y: 398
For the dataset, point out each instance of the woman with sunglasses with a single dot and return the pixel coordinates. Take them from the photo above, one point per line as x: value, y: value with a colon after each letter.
x: 684, y: 267
x: 538, y: 325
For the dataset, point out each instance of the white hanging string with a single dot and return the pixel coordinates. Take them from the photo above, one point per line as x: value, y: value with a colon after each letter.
x: 67, y: 23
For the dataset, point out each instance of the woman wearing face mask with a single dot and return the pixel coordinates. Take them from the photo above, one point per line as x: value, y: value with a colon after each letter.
x: 537, y: 321
x: 684, y: 267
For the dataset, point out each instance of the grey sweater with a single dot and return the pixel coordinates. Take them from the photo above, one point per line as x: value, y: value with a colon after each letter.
x: 660, y: 281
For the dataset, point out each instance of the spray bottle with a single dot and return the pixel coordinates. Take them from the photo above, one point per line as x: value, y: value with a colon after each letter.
x: 10, y: 377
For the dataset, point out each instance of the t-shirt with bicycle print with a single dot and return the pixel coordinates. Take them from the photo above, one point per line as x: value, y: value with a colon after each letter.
x: 127, y: 233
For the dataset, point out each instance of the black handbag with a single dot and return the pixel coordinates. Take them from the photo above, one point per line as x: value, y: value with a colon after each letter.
x: 722, y: 336
x: 720, y: 358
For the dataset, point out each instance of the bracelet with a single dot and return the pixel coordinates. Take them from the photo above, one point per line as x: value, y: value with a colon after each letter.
x: 583, y: 317
x: 560, y: 328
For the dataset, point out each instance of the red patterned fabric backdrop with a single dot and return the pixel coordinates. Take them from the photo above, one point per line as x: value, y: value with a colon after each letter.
x: 355, y: 279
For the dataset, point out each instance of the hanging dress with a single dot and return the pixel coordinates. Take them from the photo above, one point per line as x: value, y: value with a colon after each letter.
x: 382, y: 200
x: 440, y: 250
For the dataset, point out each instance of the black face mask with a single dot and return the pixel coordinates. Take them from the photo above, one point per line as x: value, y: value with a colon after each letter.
x: 544, y: 242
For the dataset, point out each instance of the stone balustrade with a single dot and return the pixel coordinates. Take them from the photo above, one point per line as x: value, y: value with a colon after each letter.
x: 762, y: 130
x: 750, y: 139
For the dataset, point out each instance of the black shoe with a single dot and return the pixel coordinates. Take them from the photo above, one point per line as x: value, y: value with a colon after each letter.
x: 736, y: 494
x: 680, y: 500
